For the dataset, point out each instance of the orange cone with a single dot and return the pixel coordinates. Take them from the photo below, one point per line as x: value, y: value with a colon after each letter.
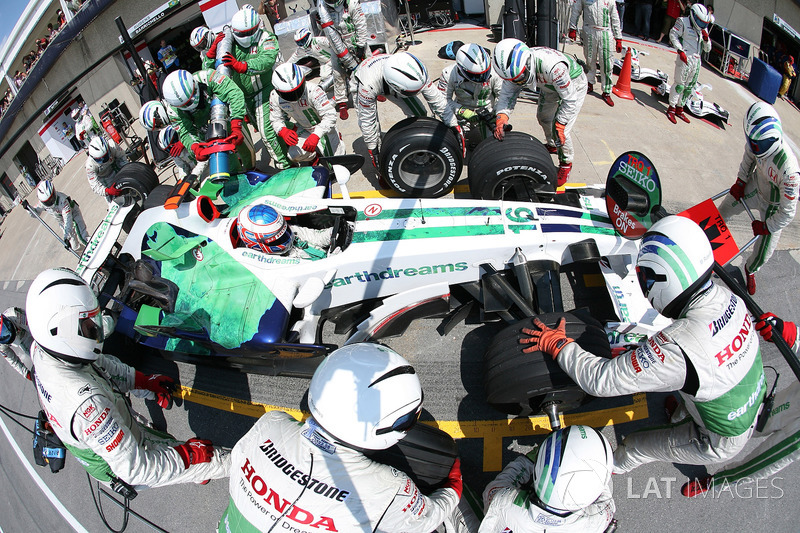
x: 623, y: 86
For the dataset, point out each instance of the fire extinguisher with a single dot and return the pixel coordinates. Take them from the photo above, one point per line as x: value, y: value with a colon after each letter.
x: 108, y: 125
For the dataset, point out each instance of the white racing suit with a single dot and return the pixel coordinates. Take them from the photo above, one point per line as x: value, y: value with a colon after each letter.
x: 562, y: 86
x: 772, y: 185
x: 88, y: 409
x: 511, y: 505
x: 685, y: 38
x: 293, y: 472
x: 186, y: 164
x: 711, y: 356
x: 369, y: 77
x: 600, y: 28
x: 351, y: 24
x: 320, y: 49
x: 67, y: 213
x: 461, y: 93
x: 310, y: 243
x: 101, y: 175
x: 17, y: 352
x: 87, y: 129
x: 312, y: 113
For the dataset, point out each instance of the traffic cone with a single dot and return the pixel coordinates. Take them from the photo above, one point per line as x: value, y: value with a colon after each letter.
x: 623, y: 87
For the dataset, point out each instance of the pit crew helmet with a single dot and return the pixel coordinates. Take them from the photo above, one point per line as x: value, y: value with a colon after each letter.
x: 573, y: 466
x: 756, y: 113
x: 98, y: 150
x: 674, y: 264
x: 153, y: 115
x: 201, y: 38
x: 473, y: 63
x: 289, y: 81
x: 181, y: 90
x: 46, y: 192
x: 167, y: 137
x: 765, y: 138
x: 8, y: 332
x: 64, y: 316
x: 405, y: 74
x: 512, y: 61
x: 262, y: 228
x: 700, y: 17
x: 366, y: 396
x: 302, y: 37
x: 246, y: 27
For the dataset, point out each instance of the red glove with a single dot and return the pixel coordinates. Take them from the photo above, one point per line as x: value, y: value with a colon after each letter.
x: 82, y: 135
x: 462, y: 140
x: 705, y: 35
x: 236, y: 131
x: 195, y: 451
x: 573, y: 35
x: 176, y: 149
x: 288, y: 136
x: 759, y: 228
x: 619, y: 46
x: 311, y: 143
x: 374, y: 156
x: 499, y: 126
x: 28, y: 376
x: 113, y: 191
x: 229, y: 61
x: 544, y: 339
x: 212, y: 52
x: 453, y: 480
x: 199, y: 152
x: 767, y: 323
x: 737, y: 191
x: 561, y: 135
x: 161, y: 385
x: 683, y: 57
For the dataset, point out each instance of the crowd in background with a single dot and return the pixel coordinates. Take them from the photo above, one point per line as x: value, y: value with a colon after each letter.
x: 652, y: 19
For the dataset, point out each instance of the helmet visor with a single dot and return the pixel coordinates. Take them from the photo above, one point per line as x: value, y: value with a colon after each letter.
x: 304, y: 40
x: 7, y: 330
x: 245, y: 34
x: 50, y: 200
x: 761, y: 146
x: 103, y: 158
x: 405, y: 422
x: 293, y: 95
x: 699, y: 24
x: 647, y: 278
x: 279, y: 245
x: 480, y: 77
x: 90, y: 325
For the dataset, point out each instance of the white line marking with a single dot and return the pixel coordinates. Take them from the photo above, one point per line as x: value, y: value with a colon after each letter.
x: 47, y: 492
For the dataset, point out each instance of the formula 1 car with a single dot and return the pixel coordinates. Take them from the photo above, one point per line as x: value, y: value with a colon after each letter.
x: 696, y: 105
x: 639, y: 73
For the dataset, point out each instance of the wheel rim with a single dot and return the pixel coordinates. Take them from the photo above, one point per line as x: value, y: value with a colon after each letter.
x: 520, y: 188
x: 567, y: 399
x: 133, y: 195
x: 422, y: 169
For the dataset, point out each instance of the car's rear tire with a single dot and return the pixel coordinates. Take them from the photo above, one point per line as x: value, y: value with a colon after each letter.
x: 516, y: 168
x: 517, y: 383
x: 421, y: 158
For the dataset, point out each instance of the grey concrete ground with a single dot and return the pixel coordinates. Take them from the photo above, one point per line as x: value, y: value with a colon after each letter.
x: 694, y: 161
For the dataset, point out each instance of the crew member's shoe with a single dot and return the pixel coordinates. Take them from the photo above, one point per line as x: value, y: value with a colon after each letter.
x: 751, y: 281
x: 679, y: 113
x: 671, y: 114
x: 589, y: 87
x: 381, y: 98
x: 607, y: 99
x: 342, y: 109
x: 696, y: 487
x: 551, y: 149
x: 563, y: 173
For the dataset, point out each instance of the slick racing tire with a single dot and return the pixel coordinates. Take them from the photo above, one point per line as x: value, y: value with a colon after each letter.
x: 136, y: 181
x: 421, y: 158
x: 518, y: 383
x: 426, y: 454
x: 517, y: 168
x: 157, y: 197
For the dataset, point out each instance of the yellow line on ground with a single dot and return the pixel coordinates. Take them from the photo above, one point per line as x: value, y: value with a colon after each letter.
x: 491, y: 431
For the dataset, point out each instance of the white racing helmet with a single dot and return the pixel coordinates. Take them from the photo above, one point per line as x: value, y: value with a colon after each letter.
x: 98, y: 150
x: 181, y: 90
x: 366, y: 396
x: 674, y: 264
x: 473, y: 63
x: 167, y: 137
x: 758, y: 112
x: 153, y: 115
x: 700, y: 17
x: 64, y: 316
x: 46, y: 192
x: 8, y: 332
x: 573, y: 466
x: 246, y: 27
x: 262, y: 228
x: 303, y: 37
x: 289, y: 81
x: 765, y: 137
x: 512, y: 61
x: 201, y: 38
x: 405, y: 74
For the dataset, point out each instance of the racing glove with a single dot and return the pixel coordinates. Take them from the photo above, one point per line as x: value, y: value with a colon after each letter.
x: 212, y: 51
x: 236, y: 131
x: 760, y: 228
x: 113, y: 191
x: 500, y: 125
x: 176, y: 149
x: 573, y: 34
x: 453, y: 480
x: 195, y: 451
x: 467, y: 114
x: 619, y: 46
x: 705, y: 35
x: 561, y: 134
x: 683, y: 57
x: 375, y: 156
x: 159, y: 384
x: 229, y: 61
x: 199, y: 152
x: 311, y: 143
x: 769, y: 323
x: 737, y: 191
x: 462, y: 140
x: 288, y: 136
x: 544, y: 339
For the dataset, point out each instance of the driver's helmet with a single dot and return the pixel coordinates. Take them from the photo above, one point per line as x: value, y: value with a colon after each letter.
x: 366, y: 396
x: 303, y: 37
x: 289, y: 81
x: 573, y: 467
x: 473, y: 63
x: 64, y: 316
x: 181, y: 90
x: 246, y: 27
x: 201, y: 38
x: 8, y: 332
x: 512, y: 61
x: 262, y: 228
x: 700, y: 17
x: 765, y: 137
x: 153, y: 115
x: 674, y: 264
x: 167, y: 137
x: 405, y: 74
x: 98, y: 150
x: 46, y: 192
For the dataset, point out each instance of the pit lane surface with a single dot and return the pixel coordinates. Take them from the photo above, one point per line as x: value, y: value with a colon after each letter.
x: 694, y: 161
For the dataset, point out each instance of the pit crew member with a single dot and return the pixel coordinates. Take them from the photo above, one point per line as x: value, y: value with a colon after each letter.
x: 309, y: 45
x: 65, y: 211
x: 205, y: 42
x: 16, y: 340
x: 689, y: 36
x: 104, y: 161
x: 185, y: 162
x: 600, y: 26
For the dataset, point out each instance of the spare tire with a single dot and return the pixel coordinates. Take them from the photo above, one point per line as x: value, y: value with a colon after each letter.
x: 136, y: 180
x: 421, y: 158
x: 157, y: 197
x: 516, y: 168
x: 517, y: 383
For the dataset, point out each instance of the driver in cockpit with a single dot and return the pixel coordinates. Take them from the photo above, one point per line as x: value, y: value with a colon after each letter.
x: 261, y: 227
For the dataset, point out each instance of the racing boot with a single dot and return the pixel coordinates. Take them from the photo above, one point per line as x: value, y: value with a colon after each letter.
x: 751, y: 281
x: 341, y: 107
x: 589, y: 88
x: 563, y: 173
x: 551, y: 149
x: 671, y: 114
x: 696, y: 487
x: 680, y: 115
x: 607, y: 99
x: 381, y: 98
